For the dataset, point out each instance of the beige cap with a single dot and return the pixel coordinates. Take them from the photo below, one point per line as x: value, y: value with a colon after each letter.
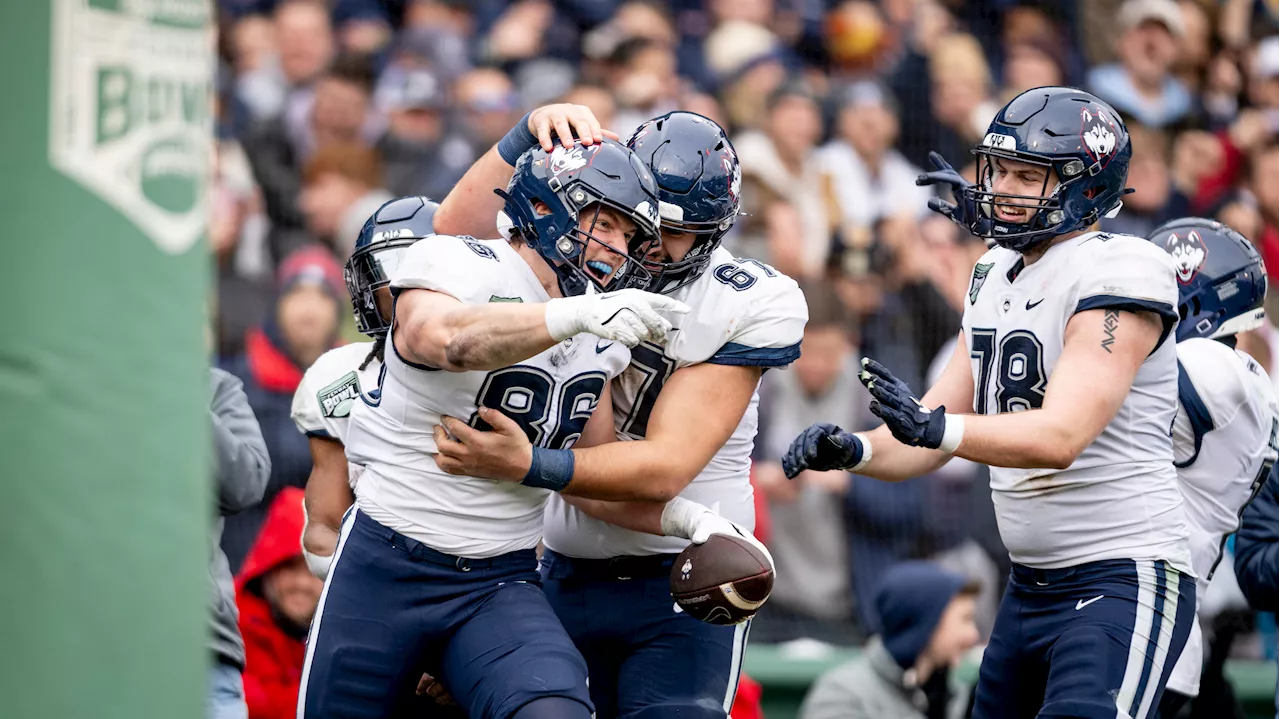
x: 1165, y: 12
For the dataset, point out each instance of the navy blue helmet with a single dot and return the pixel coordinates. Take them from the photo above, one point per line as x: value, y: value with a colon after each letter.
x: 699, y: 183
x: 385, y: 236
x: 1084, y: 143
x: 577, y: 182
x: 1221, y: 281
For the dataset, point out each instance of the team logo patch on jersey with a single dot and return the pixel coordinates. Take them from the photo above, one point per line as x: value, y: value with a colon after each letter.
x: 1097, y: 130
x: 1188, y: 254
x: 980, y: 272
x: 496, y: 298
x: 336, y: 399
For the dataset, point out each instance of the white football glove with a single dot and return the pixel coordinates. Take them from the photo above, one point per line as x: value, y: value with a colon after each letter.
x: 628, y: 316
x: 695, y: 522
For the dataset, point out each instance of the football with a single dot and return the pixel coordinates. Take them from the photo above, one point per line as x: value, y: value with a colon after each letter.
x: 724, y: 581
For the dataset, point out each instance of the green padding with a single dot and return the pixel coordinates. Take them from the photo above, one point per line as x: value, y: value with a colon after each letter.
x: 785, y: 680
x: 104, y: 385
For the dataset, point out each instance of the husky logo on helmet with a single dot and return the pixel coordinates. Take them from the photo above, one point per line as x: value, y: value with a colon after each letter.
x: 567, y: 160
x: 734, y: 169
x: 1188, y: 254
x: 1097, y: 133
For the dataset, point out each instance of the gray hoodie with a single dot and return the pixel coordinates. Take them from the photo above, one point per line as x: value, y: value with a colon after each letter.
x: 240, y: 471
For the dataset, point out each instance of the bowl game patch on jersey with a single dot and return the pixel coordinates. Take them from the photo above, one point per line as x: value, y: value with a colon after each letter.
x: 335, y: 399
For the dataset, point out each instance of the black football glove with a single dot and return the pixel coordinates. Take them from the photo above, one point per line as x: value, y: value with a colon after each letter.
x: 910, y: 422
x: 822, y: 447
x: 963, y: 211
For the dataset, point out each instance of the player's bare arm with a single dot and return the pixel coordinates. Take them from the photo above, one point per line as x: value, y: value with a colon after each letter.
x: 878, y: 454
x: 327, y: 497
x: 694, y: 416
x: 1102, y: 352
x: 439, y: 331
x: 472, y: 207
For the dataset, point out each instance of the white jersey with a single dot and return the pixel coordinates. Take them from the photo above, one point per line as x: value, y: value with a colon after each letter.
x: 743, y: 313
x: 1119, y: 499
x: 1224, y: 446
x: 330, y: 388
x: 551, y: 395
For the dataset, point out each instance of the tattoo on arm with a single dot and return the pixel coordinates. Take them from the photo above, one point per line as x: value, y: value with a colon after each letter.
x: 1110, y: 321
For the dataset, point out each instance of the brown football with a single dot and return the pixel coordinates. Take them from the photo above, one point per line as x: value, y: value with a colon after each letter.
x: 723, y: 581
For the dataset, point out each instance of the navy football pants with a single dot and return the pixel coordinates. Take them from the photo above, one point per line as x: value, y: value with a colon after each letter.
x: 645, y: 660
x: 393, y: 607
x: 1096, y: 641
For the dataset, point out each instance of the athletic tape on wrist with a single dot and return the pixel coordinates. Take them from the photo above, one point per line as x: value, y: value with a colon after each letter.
x: 952, y: 433
x: 517, y: 141
x: 551, y: 469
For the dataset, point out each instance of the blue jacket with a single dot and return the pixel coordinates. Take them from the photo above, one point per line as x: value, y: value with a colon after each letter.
x: 1256, y: 552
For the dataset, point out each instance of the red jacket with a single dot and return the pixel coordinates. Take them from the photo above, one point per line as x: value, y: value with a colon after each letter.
x: 746, y: 703
x: 273, y: 659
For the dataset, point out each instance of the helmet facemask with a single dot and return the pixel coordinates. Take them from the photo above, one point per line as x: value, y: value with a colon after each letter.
x: 630, y: 272
x: 368, y: 276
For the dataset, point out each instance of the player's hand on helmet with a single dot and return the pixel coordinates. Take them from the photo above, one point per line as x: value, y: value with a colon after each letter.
x: 821, y: 447
x: 503, y: 453
x: 892, y: 401
x: 566, y: 121
x: 963, y: 211
x: 628, y: 316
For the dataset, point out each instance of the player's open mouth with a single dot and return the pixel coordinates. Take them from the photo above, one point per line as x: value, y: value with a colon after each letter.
x: 1012, y: 214
x: 599, y: 270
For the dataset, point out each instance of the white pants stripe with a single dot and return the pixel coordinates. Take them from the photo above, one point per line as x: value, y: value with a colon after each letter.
x: 1152, y: 635
x: 348, y: 520
x: 740, y: 633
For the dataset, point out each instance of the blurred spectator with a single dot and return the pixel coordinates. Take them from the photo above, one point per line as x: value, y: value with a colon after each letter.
x: 807, y: 538
x: 363, y: 26
x: 241, y: 466
x: 780, y: 160
x: 304, y: 324
x: 277, y: 597
x: 1256, y: 549
x: 926, y: 628
x: 1142, y: 84
x: 644, y: 82
x: 1159, y: 195
x: 420, y: 156
x: 747, y: 64
x: 336, y: 112
x: 303, y: 41
x: 599, y: 99
x: 237, y: 236
x: 869, y: 178
x: 489, y: 106
x: 1264, y: 182
x: 955, y: 106
x: 1031, y: 62
x: 343, y: 187
x: 746, y: 703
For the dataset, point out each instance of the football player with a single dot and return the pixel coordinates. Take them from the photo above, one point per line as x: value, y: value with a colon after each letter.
x: 1224, y: 436
x: 436, y: 572
x: 339, y: 378
x: 1065, y: 359
x: 686, y: 412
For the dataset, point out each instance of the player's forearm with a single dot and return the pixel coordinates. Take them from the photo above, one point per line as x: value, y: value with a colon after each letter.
x: 1035, y: 439
x: 893, y: 461
x: 320, y: 539
x: 482, y: 337
x: 637, y: 516
x: 630, y: 471
x: 471, y: 208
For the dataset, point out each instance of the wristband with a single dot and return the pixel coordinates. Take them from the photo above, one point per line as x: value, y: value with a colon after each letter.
x: 865, y: 445
x: 561, y: 317
x: 952, y: 433
x: 551, y: 469
x: 319, y: 565
x: 517, y: 141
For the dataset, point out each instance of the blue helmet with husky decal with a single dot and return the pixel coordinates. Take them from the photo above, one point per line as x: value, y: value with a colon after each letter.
x: 1221, y: 281
x: 699, y: 183
x: 382, y: 240
x: 576, y: 183
x: 1083, y: 144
